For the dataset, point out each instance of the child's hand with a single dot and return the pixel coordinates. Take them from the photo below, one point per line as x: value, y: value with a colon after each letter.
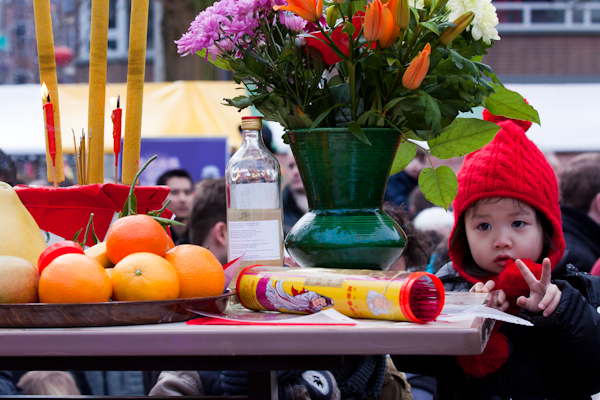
x: 543, y: 295
x: 499, y: 297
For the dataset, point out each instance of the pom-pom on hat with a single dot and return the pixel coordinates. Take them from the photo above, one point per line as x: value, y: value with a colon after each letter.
x: 510, y: 166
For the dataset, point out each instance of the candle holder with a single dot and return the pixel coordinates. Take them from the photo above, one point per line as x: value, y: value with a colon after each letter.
x: 61, y: 212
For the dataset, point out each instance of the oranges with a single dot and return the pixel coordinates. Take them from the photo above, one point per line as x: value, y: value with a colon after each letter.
x: 200, y: 273
x: 74, y: 278
x: 135, y: 234
x: 144, y: 276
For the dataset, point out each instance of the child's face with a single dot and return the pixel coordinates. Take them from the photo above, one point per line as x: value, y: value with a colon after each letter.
x: 502, y: 230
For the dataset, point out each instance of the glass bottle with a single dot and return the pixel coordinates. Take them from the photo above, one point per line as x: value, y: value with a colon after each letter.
x: 254, y: 206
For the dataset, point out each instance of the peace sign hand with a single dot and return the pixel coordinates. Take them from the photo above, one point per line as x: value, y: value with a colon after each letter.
x: 543, y: 295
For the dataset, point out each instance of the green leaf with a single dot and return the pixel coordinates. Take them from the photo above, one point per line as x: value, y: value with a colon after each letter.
x: 240, y: 102
x: 349, y: 28
x: 510, y: 104
x: 358, y: 132
x: 362, y: 120
x: 392, y: 103
x: 462, y: 136
x: 77, y: 235
x: 323, y: 115
x: 130, y: 206
x: 167, y: 221
x: 439, y: 186
x: 404, y: 155
x: 432, y: 26
x: 216, y: 61
x: 432, y: 113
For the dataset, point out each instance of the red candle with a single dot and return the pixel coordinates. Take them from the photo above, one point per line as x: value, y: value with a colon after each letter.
x: 116, y: 119
x: 49, y: 113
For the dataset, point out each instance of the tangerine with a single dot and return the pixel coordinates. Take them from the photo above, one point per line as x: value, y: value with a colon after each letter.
x: 143, y: 277
x: 74, y: 278
x: 135, y: 234
x: 200, y: 273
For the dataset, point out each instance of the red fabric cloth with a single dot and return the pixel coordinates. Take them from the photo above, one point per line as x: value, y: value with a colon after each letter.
x: 63, y: 211
x: 510, y: 166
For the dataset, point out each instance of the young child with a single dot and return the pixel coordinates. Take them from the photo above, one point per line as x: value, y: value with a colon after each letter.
x: 507, y: 223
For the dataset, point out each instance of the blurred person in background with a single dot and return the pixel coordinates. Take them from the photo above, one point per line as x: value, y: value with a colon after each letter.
x: 400, y: 185
x: 48, y: 383
x: 181, y: 195
x: 295, y: 202
x: 208, y: 219
x: 417, y: 202
x: 420, y: 244
x: 8, y: 169
x: 580, y: 209
x: 7, y: 387
x: 435, y: 219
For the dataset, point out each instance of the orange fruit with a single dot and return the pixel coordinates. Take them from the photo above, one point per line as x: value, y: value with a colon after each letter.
x: 74, y: 278
x: 135, y: 234
x: 170, y: 243
x: 200, y: 273
x: 144, y: 276
x: 109, y: 271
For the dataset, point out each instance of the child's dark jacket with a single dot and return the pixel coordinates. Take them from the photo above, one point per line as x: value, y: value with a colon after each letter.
x: 558, y: 358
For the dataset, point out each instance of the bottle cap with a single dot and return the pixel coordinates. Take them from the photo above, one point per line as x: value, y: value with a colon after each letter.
x: 252, y: 123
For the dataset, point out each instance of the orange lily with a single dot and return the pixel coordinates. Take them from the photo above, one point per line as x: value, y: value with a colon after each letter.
x: 392, y: 30
x: 374, y: 25
x: 416, y: 71
x: 310, y: 10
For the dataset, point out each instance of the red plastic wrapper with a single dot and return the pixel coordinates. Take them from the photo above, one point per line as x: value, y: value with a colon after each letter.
x: 61, y: 212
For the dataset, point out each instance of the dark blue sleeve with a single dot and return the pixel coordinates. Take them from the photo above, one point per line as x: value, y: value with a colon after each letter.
x: 7, y: 386
x: 574, y: 329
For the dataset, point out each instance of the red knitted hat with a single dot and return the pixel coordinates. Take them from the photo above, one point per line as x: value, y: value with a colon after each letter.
x: 510, y: 166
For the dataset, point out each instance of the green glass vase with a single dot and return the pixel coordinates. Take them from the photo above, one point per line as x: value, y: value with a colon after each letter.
x: 345, y: 180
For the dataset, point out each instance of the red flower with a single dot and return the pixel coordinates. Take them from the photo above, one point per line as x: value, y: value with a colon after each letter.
x: 339, y: 38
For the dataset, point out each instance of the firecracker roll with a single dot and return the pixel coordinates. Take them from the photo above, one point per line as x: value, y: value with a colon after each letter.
x: 390, y: 295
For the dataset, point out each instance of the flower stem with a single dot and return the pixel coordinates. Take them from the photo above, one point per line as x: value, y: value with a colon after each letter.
x: 352, y: 81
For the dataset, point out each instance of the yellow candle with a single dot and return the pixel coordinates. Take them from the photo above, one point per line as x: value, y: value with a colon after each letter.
x: 135, y: 89
x: 98, y: 48
x: 45, y: 48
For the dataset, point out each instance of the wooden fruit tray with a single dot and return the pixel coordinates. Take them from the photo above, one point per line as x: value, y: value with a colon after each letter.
x: 63, y: 315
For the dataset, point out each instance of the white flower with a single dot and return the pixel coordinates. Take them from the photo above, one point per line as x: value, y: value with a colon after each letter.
x: 419, y: 4
x: 485, y: 21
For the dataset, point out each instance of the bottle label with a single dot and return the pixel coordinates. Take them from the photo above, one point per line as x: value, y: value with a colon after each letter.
x: 255, y: 196
x: 259, y: 239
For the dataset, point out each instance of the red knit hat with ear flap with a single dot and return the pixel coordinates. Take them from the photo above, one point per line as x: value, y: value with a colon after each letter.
x: 510, y: 166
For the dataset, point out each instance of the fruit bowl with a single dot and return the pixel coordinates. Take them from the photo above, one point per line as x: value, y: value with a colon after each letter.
x: 112, y: 313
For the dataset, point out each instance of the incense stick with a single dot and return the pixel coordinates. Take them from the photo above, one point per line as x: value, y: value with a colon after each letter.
x: 76, y: 158
x: 89, y: 155
x: 84, y: 157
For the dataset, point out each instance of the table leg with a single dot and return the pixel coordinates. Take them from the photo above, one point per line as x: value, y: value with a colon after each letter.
x: 262, y: 385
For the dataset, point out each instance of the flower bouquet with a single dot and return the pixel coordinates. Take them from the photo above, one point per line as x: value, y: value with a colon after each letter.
x: 408, y: 65
x: 358, y: 87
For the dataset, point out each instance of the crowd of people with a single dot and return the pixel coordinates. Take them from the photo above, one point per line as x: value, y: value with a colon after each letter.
x: 521, y: 225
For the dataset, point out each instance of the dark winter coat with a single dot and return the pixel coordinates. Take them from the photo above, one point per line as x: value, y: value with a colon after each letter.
x: 582, y: 236
x: 557, y: 358
x: 7, y: 386
x: 291, y: 212
x: 399, y: 187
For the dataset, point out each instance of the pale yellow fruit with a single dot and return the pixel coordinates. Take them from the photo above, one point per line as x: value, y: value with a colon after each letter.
x: 19, y: 280
x: 20, y: 235
x: 98, y: 253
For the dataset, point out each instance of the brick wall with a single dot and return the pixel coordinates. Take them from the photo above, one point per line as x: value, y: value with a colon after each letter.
x: 545, y: 55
